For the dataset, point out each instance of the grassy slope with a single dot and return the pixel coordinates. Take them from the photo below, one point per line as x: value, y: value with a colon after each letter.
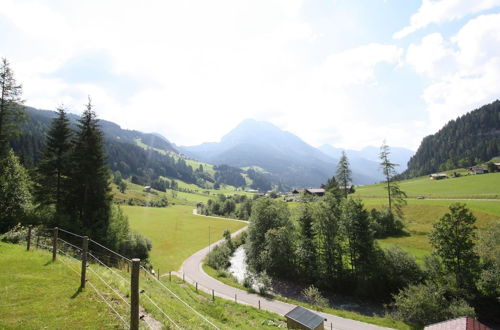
x: 421, y: 214
x: 175, y: 232
x: 470, y: 186
x: 36, y: 293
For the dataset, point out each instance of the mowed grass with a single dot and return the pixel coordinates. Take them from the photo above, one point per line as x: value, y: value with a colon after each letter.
x: 38, y: 294
x: 420, y: 215
x: 176, y: 232
x: 483, y: 186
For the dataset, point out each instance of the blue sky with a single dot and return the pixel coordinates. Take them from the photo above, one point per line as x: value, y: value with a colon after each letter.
x: 343, y: 72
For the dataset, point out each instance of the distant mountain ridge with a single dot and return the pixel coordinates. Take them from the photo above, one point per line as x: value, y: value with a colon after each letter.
x: 288, y: 158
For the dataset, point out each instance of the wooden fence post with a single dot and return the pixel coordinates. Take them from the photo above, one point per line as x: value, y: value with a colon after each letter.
x: 158, y: 273
x: 29, y: 239
x: 259, y: 304
x: 213, y: 296
x: 170, y: 276
x: 54, y: 244
x: 196, y: 286
x: 85, y: 248
x: 235, y: 298
x: 134, y: 294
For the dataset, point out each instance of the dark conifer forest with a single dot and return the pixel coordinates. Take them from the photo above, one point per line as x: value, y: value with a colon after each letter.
x: 468, y: 140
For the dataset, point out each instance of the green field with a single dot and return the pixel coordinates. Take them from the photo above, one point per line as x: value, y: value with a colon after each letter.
x: 175, y: 232
x: 38, y: 294
x: 484, y: 186
x: 420, y: 215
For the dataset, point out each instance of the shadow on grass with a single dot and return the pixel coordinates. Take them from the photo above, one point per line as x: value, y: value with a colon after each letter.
x: 77, y: 292
x: 48, y: 263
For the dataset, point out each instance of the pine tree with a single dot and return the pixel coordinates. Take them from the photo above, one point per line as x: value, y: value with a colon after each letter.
x: 11, y: 109
x: 54, y: 169
x: 344, y: 174
x: 394, y: 194
x: 89, y: 200
x: 306, y: 252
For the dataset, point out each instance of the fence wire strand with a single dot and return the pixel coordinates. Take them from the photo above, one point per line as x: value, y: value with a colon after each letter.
x: 68, y: 232
x: 116, y: 253
x: 180, y: 299
x: 104, y: 299
x: 103, y: 264
x: 109, y: 286
x: 162, y: 311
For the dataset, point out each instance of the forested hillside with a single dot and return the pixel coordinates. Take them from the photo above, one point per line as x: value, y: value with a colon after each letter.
x: 466, y: 141
x: 143, y: 158
x: 123, y: 154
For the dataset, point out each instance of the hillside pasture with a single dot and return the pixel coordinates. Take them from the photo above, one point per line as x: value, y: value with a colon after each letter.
x: 420, y: 215
x: 482, y: 186
x: 39, y: 294
x: 176, y: 233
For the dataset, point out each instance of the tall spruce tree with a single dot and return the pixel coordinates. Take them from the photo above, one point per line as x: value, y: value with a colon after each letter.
x: 306, y: 252
x: 53, y: 172
x: 395, y: 196
x: 344, y: 174
x: 89, y: 199
x: 359, y: 236
x: 11, y: 109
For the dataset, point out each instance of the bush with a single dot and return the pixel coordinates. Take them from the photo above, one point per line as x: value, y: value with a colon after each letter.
x: 385, y: 223
x: 313, y: 296
x: 15, y: 235
x: 264, y: 283
x: 399, y: 269
x: 423, y: 304
x: 219, y: 257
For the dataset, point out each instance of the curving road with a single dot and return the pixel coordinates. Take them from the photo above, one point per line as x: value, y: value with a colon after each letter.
x: 192, y: 270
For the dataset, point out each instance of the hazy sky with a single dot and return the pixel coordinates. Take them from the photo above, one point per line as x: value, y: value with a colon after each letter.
x: 348, y: 73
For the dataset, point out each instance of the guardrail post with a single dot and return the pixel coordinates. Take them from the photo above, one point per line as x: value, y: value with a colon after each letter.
x: 213, y: 295
x: 196, y: 286
x: 54, y: 243
x: 134, y: 294
x: 235, y: 298
x: 259, y: 304
x: 28, y: 243
x: 85, y: 248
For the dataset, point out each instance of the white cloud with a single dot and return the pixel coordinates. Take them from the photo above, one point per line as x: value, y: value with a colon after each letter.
x: 439, y: 11
x: 209, y: 65
x: 464, y: 71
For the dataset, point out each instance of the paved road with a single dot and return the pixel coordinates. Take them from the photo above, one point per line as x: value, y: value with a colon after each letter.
x: 192, y: 269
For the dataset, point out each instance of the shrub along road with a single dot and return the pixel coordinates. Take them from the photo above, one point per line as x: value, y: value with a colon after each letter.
x: 192, y: 269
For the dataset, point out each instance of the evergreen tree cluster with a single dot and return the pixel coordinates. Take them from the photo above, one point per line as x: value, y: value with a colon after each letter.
x: 237, y: 206
x: 332, y: 246
x: 466, y: 141
x: 229, y: 175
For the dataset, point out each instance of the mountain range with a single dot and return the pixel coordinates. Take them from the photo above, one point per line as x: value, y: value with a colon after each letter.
x: 280, y: 156
x: 286, y: 157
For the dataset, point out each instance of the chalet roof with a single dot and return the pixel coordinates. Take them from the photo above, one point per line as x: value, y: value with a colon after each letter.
x: 297, y: 191
x: 462, y: 323
x: 316, y: 190
x: 305, y: 317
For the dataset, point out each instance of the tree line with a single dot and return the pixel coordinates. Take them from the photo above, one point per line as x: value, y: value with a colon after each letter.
x: 70, y: 187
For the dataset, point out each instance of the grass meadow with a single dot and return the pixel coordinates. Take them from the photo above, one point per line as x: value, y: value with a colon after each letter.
x: 39, y: 294
x: 464, y: 187
x: 176, y: 232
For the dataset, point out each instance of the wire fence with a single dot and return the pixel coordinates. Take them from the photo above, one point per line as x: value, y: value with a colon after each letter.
x: 104, y: 271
